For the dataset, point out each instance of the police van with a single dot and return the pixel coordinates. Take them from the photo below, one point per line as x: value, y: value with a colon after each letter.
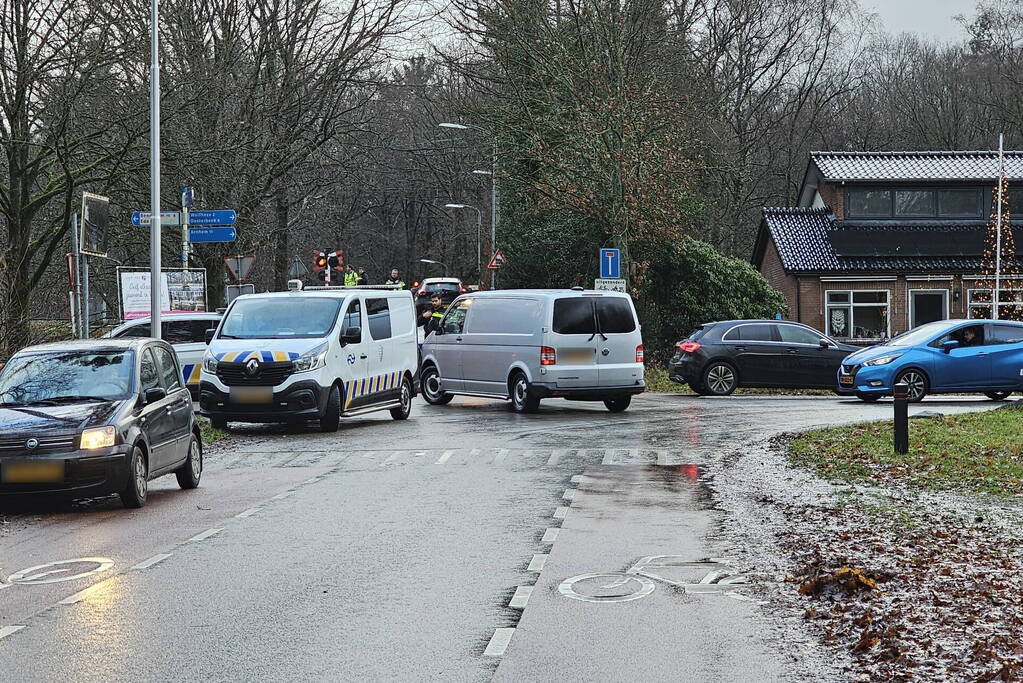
x: 319, y: 353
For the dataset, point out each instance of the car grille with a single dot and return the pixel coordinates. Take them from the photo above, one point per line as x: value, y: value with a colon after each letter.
x: 269, y: 374
x: 49, y: 444
x: 850, y: 369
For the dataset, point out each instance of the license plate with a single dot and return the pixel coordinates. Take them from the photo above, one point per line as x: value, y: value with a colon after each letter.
x: 46, y: 472
x: 845, y: 381
x: 580, y: 356
x: 252, y: 394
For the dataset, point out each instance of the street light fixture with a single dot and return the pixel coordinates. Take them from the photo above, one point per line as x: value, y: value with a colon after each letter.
x: 426, y: 260
x: 479, y: 234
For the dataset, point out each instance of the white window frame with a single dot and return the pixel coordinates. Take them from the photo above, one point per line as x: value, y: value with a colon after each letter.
x: 988, y: 306
x: 852, y: 306
x: 912, y: 303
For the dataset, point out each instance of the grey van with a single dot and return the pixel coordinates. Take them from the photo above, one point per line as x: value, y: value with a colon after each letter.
x: 526, y: 345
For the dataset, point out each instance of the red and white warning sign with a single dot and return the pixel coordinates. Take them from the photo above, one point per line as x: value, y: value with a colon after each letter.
x: 497, y: 260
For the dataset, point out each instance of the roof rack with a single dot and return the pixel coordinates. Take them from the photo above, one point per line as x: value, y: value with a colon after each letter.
x: 320, y: 287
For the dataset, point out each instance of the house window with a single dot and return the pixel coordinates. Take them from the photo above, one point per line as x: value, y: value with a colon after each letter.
x: 857, y: 314
x: 1010, y: 305
x: 959, y: 203
x: 869, y: 203
x: 920, y: 202
x: 914, y: 203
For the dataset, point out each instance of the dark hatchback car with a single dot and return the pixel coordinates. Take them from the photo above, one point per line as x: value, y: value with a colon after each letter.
x: 95, y: 417
x: 447, y: 288
x: 719, y: 357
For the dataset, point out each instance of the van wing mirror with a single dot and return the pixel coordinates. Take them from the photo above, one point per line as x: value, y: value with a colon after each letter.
x: 949, y: 345
x: 208, y: 337
x: 351, y: 335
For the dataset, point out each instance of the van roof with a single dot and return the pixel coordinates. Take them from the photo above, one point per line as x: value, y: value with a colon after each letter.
x: 323, y: 293
x: 548, y: 292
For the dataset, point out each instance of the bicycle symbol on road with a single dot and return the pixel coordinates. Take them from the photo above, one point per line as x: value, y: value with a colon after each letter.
x: 56, y: 572
x: 712, y: 575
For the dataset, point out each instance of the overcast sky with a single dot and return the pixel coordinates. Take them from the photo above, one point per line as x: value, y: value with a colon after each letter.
x: 926, y: 17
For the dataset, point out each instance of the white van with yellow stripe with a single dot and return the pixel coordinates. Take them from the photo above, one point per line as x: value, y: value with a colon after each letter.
x: 321, y: 353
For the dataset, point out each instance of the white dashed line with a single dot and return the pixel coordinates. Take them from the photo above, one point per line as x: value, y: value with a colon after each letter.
x: 499, y: 642
x: 9, y: 630
x: 569, y: 494
x: 577, y: 479
x: 77, y: 597
x: 555, y: 457
x: 634, y: 454
x: 281, y: 496
x: 248, y: 513
x: 311, y: 480
x: 445, y: 456
x: 146, y: 564
x: 204, y: 535
x: 391, y: 458
x: 609, y: 457
x: 521, y: 597
x: 501, y: 456
x: 550, y: 535
x: 537, y: 563
x: 561, y: 512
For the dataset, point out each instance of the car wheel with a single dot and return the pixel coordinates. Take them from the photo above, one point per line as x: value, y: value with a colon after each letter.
x: 402, y: 412
x: 998, y: 395
x: 431, y: 390
x: 618, y: 404
x: 522, y: 401
x: 720, y: 379
x: 190, y: 473
x: 331, y: 420
x: 137, y: 488
x: 917, y: 383
x: 867, y: 398
x: 218, y: 422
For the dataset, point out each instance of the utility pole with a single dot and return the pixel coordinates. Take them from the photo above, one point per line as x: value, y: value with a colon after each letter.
x: 155, y: 269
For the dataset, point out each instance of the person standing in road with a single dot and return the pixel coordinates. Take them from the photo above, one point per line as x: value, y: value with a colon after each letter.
x: 351, y: 277
x: 363, y: 278
x: 395, y: 280
x: 430, y: 320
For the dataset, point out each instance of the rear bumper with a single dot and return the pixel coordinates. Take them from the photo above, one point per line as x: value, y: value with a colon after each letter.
x: 86, y: 474
x: 551, y: 390
x: 683, y: 371
x: 299, y: 401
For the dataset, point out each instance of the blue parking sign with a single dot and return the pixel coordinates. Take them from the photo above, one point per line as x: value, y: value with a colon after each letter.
x: 610, y: 263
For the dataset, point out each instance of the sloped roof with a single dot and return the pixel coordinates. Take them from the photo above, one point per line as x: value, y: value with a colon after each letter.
x: 917, y: 166
x: 801, y: 237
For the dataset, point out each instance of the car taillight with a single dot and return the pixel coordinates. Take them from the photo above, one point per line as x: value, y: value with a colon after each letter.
x: 548, y: 356
x: 422, y: 292
x: 639, y: 353
x: 689, y: 347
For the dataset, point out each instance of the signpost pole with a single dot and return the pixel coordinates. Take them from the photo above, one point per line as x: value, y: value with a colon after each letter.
x: 493, y: 210
x: 185, y: 203
x: 76, y: 292
x: 155, y: 301
x: 86, y: 326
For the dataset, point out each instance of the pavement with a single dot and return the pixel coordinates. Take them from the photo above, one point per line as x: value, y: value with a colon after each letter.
x: 393, y: 550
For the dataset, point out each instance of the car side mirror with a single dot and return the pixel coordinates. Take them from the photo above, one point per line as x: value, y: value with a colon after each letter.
x: 153, y: 395
x: 824, y: 344
x: 209, y: 335
x: 949, y: 345
x: 351, y: 335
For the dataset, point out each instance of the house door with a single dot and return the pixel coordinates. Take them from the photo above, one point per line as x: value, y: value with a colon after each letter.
x: 927, y: 306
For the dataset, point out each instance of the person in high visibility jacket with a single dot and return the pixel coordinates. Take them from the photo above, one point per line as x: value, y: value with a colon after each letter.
x: 351, y: 277
x: 430, y: 320
x: 395, y: 280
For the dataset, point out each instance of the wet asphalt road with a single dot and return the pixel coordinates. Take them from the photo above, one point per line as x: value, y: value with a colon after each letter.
x: 391, y: 551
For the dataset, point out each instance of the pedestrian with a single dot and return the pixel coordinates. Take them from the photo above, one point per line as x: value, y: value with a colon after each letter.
x: 351, y: 277
x: 430, y: 320
x: 395, y: 280
x: 363, y: 278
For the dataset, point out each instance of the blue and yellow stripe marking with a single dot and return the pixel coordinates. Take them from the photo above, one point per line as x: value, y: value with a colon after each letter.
x: 265, y: 356
x: 190, y: 373
x: 357, y: 388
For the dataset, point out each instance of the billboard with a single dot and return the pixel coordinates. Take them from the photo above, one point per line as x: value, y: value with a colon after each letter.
x: 181, y: 291
x: 95, y: 212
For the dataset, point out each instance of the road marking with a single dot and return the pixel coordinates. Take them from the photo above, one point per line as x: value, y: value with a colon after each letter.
x: 609, y: 457
x: 555, y: 457
x: 248, y: 513
x: 561, y: 512
x: 311, y: 480
x: 521, y: 597
x: 204, y: 535
x: 537, y: 563
x: 146, y: 564
x: 577, y: 479
x: 550, y: 535
x: 445, y: 456
x: 392, y: 457
x: 281, y: 496
x: 634, y: 454
x: 662, y: 457
x: 502, y: 454
x: 499, y: 642
x: 569, y: 494
x: 32, y: 577
x: 10, y: 630
x: 474, y: 452
x: 78, y: 597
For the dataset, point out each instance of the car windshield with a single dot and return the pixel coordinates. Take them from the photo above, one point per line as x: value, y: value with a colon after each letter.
x: 442, y: 287
x: 280, y: 318
x: 67, y: 377
x: 920, y: 335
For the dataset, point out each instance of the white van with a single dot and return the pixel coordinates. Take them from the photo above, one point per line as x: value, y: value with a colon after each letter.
x: 527, y: 345
x: 322, y: 353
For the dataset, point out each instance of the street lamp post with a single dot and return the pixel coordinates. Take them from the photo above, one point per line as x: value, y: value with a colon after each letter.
x: 426, y: 260
x: 155, y: 291
x: 479, y: 233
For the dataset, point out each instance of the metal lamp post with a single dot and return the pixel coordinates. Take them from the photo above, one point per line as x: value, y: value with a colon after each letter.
x: 155, y: 301
x: 479, y: 233
x: 426, y: 260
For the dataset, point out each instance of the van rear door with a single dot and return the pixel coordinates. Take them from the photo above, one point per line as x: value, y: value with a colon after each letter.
x: 617, y: 342
x: 572, y: 336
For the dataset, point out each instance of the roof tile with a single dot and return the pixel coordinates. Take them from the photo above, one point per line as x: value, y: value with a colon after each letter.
x: 913, y: 166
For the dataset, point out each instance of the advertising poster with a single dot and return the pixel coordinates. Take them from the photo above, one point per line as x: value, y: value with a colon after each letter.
x: 181, y: 291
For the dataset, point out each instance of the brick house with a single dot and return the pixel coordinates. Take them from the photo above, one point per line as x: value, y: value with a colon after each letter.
x: 884, y: 241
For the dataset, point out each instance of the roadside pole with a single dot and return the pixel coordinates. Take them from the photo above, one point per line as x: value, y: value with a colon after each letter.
x: 900, y: 425
x: 155, y: 270
x: 186, y: 204
x: 493, y: 210
x: 76, y: 292
x: 86, y: 327
x: 997, y: 294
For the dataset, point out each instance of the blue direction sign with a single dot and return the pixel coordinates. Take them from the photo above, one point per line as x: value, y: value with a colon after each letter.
x: 166, y: 217
x: 216, y: 217
x: 219, y: 234
x: 610, y: 263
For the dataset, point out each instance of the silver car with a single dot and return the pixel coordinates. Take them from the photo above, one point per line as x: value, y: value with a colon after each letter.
x: 526, y: 345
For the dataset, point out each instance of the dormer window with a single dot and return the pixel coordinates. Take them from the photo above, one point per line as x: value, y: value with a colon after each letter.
x: 915, y: 202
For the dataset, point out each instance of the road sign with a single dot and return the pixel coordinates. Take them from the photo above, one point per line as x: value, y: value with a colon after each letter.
x: 497, y: 260
x: 240, y: 266
x: 610, y: 264
x: 187, y: 197
x: 217, y: 217
x: 95, y: 210
x: 234, y: 291
x: 171, y: 218
x: 219, y: 234
x: 610, y: 284
x: 298, y: 268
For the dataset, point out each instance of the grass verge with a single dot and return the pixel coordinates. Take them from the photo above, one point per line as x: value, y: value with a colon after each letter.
x: 979, y: 452
x: 210, y: 434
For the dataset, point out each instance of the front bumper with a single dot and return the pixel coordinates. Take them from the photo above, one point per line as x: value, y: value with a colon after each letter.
x: 866, y: 380
x: 551, y: 390
x: 86, y: 474
x: 305, y: 400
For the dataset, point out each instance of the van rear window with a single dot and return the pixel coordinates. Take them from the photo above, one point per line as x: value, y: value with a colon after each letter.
x: 615, y: 315
x: 574, y: 316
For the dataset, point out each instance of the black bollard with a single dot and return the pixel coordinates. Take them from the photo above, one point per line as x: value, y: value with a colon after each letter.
x: 901, y: 425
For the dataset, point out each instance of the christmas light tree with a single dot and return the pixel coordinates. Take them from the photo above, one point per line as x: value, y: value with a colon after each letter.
x: 1000, y: 268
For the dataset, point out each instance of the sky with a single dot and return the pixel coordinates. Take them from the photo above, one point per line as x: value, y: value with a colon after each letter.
x: 931, y: 18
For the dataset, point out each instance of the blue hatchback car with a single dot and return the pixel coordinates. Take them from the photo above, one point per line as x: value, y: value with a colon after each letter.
x: 984, y: 356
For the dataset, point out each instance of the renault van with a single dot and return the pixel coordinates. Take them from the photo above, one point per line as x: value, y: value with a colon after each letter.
x: 322, y: 353
x: 527, y: 345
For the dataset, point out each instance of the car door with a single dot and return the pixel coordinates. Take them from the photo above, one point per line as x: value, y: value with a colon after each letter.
x: 1005, y: 346
x: 967, y: 366
x: 179, y: 405
x: 154, y: 418
x: 757, y: 352
x: 356, y: 355
x: 620, y: 342
x: 447, y: 346
x: 381, y: 362
x: 808, y: 364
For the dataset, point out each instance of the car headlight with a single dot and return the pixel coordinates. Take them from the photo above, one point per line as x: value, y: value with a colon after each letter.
x: 883, y: 360
x: 98, y: 437
x: 312, y: 360
x: 209, y: 363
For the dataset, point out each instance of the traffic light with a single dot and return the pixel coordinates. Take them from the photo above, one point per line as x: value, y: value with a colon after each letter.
x: 336, y: 259
x: 319, y: 260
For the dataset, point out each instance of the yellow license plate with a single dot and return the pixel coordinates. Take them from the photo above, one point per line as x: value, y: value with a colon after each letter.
x: 847, y: 381
x: 580, y: 356
x: 252, y: 394
x: 46, y: 472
